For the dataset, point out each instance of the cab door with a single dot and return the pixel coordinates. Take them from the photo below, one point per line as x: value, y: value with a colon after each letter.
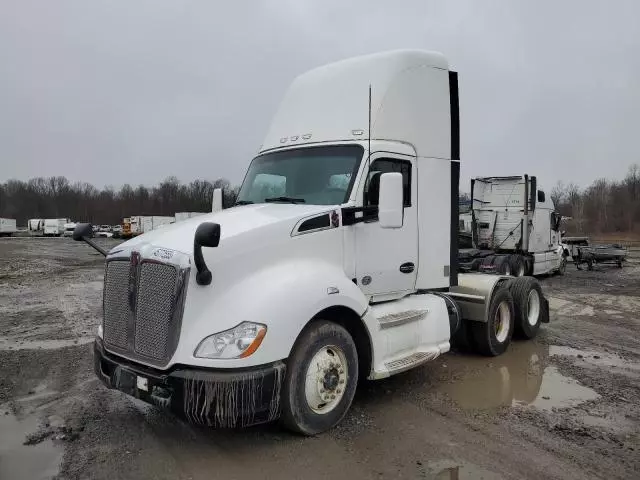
x: 386, y: 259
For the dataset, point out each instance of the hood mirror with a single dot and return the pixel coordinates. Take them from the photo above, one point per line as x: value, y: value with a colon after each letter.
x: 207, y: 235
x: 83, y: 233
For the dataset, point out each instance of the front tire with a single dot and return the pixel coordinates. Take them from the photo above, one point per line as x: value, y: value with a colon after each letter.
x: 491, y: 338
x: 321, y: 379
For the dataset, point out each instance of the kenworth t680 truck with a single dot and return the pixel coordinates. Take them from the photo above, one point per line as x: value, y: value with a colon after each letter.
x: 338, y: 262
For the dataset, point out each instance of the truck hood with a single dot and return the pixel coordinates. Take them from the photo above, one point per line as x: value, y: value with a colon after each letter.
x: 233, y: 222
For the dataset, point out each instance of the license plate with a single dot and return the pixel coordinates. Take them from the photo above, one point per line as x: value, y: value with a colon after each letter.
x: 142, y: 383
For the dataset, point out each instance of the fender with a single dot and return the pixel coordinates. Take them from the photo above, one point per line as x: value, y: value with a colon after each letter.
x: 283, y: 296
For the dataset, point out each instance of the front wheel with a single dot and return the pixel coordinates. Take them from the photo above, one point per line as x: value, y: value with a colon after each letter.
x: 321, y: 379
x: 491, y: 338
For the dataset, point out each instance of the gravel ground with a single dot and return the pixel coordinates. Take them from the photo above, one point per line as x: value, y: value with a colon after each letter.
x: 564, y: 406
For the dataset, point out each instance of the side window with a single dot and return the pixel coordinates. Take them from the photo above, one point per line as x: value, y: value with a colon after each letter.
x: 386, y: 165
x: 540, y: 196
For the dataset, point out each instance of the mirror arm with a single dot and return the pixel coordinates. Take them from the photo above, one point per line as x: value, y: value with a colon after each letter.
x: 369, y: 213
x: 95, y: 245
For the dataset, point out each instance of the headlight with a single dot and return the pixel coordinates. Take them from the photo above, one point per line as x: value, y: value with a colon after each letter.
x: 100, y: 331
x: 237, y: 342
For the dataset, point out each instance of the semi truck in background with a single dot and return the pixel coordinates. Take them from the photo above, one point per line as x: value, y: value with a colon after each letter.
x: 54, y: 227
x: 514, y: 228
x: 338, y: 262
x: 7, y: 227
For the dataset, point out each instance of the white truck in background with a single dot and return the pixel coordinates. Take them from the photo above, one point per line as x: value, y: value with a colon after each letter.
x: 515, y: 229
x: 54, y: 227
x: 7, y: 227
x: 69, y: 227
x: 338, y: 261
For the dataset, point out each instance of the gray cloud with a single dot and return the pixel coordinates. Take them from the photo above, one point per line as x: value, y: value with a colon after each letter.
x: 115, y: 92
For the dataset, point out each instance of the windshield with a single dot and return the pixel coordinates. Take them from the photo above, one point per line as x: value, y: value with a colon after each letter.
x: 312, y: 175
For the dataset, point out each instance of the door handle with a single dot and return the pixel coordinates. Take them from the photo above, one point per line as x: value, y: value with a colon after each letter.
x: 407, y: 267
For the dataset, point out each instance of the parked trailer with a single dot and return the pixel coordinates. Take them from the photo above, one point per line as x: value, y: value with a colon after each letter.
x: 180, y: 216
x: 276, y: 307
x: 54, y: 227
x: 580, y: 250
x: 35, y: 226
x: 514, y: 228
x: 7, y: 227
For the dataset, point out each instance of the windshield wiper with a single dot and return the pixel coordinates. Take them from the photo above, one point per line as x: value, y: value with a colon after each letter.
x: 285, y: 199
x: 243, y: 202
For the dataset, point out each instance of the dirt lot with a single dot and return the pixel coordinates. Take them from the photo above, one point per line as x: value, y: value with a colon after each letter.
x: 565, y: 406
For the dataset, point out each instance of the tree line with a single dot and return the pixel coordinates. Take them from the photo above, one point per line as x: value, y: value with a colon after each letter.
x: 605, y: 206
x: 56, y: 197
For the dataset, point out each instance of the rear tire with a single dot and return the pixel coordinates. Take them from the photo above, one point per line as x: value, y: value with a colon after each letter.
x: 491, y: 338
x: 321, y: 379
x: 529, y: 305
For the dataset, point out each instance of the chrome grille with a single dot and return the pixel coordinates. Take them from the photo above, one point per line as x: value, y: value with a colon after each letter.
x: 154, y: 307
x: 142, y: 304
x: 117, y: 314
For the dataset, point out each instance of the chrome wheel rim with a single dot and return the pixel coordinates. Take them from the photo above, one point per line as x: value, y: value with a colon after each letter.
x: 533, y: 310
x: 502, y: 322
x: 326, y: 379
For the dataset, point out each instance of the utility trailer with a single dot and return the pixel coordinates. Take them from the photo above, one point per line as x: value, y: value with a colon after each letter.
x: 514, y: 229
x: 582, y: 252
x: 337, y: 263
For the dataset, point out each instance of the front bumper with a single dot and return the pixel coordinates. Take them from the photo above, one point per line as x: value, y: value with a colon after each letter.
x: 217, y: 398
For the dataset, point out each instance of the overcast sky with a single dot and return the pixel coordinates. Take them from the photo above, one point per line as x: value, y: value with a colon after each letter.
x: 134, y: 91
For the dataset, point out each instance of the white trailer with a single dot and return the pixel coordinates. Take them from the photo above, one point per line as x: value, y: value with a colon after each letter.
x: 35, y: 226
x: 338, y: 262
x: 180, y: 216
x: 54, y: 227
x: 515, y: 228
x: 149, y: 223
x: 7, y: 227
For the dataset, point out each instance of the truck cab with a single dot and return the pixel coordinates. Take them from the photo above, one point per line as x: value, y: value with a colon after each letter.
x: 337, y: 263
x: 515, y: 228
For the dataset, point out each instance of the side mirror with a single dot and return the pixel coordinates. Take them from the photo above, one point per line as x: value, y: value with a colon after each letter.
x: 207, y: 235
x: 82, y: 230
x: 391, y: 201
x: 83, y: 233
x: 217, y: 200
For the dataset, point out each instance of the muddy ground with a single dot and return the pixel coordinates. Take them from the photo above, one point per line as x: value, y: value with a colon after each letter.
x: 564, y: 406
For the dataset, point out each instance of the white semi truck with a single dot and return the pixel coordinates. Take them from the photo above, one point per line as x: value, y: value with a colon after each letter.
x: 338, y: 262
x: 515, y: 229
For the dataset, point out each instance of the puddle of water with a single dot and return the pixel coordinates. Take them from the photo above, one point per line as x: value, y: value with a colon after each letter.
x: 595, y: 358
x: 447, y: 470
x: 519, y: 377
x: 37, y: 462
x: 43, y: 344
x: 559, y: 391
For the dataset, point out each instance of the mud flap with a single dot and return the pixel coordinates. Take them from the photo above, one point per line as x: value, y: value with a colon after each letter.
x: 545, y: 317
